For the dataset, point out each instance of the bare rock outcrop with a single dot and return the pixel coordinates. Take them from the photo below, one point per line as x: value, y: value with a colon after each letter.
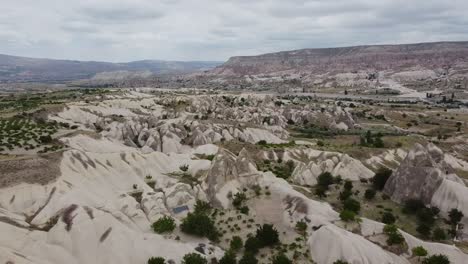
x: 227, y: 173
x: 419, y: 174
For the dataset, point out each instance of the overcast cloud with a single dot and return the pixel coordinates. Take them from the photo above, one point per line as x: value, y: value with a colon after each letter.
x: 127, y: 30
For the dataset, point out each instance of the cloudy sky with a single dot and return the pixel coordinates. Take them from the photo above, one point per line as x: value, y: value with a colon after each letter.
x: 126, y: 30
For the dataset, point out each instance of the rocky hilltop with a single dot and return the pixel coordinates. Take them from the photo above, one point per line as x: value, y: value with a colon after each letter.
x: 441, y: 64
x: 441, y: 55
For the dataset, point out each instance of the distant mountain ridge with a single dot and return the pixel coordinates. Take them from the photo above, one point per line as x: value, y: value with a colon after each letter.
x: 23, y: 69
x: 350, y: 59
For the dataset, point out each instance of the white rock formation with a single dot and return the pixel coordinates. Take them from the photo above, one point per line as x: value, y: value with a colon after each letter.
x: 311, y: 163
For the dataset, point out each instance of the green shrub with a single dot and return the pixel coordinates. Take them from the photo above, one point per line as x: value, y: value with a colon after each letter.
x: 369, y: 194
x: 424, y: 229
x: 394, y: 237
x: 281, y: 259
x: 45, y: 139
x: 199, y: 225
x: 320, y: 191
x: 347, y: 215
x: 436, y: 259
x: 345, y: 194
x: 244, y: 210
x: 184, y: 168
x: 324, y: 180
x: 163, y: 225
x: 351, y: 204
x: 236, y: 244
x: 455, y: 216
x: 439, y: 234
x: 340, y: 262
x: 267, y: 235
x: 228, y: 258
x: 156, y: 260
x: 194, y: 258
x: 239, y: 199
x: 202, y: 207
x: 426, y: 216
x: 301, y: 227
x: 348, y: 186
x: 419, y: 251
x: 388, y: 218
x: 252, y: 244
x: 248, y: 258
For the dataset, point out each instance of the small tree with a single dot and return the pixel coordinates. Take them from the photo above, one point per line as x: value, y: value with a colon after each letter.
x: 388, y: 218
x: 252, y: 244
x: 369, y: 194
x: 248, y: 258
x: 184, y: 168
x: 378, y: 142
x: 45, y: 139
x: 439, y: 234
x: 436, y: 259
x: 228, y: 258
x: 239, y: 199
x: 324, y: 180
x: 424, y: 229
x: 426, y: 216
x: 194, y: 258
x: 301, y: 227
x: 455, y: 216
x: 156, y: 260
x: 267, y: 235
x: 348, y: 185
x: 202, y: 207
x: 352, y: 205
x: 163, y: 225
x: 419, y: 252
x: 236, y: 244
x: 347, y: 215
x: 281, y: 259
x: 320, y: 191
x: 345, y: 194
x: 340, y: 262
x: 394, y: 237
x: 199, y: 225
